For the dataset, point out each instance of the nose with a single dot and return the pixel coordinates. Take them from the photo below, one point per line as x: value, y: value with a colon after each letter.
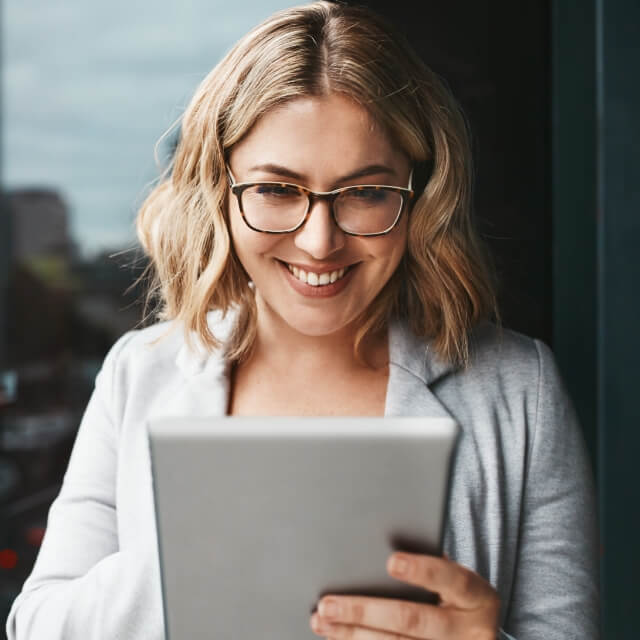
x: 319, y: 236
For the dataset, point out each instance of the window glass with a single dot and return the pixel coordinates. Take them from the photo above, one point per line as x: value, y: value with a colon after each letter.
x: 87, y: 90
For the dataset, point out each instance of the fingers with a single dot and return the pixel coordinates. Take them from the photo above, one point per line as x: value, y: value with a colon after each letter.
x: 469, y: 606
x: 345, y: 617
x: 347, y: 632
x: 456, y: 585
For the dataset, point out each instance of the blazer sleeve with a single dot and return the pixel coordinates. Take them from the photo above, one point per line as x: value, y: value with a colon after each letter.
x: 555, y: 594
x: 81, y: 586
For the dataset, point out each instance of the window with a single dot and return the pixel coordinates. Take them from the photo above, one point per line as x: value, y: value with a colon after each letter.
x: 88, y: 88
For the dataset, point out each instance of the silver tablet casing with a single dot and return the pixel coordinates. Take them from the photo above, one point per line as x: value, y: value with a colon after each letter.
x: 257, y: 518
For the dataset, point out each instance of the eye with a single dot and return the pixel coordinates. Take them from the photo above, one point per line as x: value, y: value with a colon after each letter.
x: 275, y: 191
x: 365, y: 196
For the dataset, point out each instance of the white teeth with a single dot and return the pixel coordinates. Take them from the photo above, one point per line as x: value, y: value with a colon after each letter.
x: 316, y: 279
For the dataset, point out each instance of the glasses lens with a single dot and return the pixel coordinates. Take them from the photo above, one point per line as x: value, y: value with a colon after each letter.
x: 274, y: 207
x: 368, y: 209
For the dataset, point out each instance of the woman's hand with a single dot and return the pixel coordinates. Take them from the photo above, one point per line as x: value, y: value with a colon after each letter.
x: 468, y: 609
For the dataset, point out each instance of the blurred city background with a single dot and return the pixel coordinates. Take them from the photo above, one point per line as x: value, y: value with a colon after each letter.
x: 87, y: 91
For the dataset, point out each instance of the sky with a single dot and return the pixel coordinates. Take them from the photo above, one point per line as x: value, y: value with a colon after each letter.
x: 88, y: 88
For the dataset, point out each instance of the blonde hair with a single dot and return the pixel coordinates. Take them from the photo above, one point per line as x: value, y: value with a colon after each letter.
x: 444, y: 284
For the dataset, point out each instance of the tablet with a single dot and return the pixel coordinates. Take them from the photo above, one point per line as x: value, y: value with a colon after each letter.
x: 257, y: 518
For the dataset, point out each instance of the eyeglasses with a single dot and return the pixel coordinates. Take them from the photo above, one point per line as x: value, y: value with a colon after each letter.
x: 280, y: 207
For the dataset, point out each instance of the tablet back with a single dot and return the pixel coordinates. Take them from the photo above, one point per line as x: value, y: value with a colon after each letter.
x: 259, y: 517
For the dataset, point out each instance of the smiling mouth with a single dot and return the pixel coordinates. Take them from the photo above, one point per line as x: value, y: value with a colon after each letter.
x: 316, y: 279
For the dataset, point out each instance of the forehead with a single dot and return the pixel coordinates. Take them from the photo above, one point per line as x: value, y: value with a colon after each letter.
x: 318, y: 136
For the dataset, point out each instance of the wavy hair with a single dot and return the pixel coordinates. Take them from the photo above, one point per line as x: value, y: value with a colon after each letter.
x: 444, y: 284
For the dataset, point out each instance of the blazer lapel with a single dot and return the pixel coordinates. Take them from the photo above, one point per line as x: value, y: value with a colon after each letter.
x: 413, y: 368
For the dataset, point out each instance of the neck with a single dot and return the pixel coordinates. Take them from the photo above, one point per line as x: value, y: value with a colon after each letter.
x: 284, y: 348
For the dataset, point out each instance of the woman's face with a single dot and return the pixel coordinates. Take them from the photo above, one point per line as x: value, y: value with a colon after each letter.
x: 322, y: 143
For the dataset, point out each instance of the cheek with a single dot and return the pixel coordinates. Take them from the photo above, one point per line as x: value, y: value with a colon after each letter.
x: 398, y: 242
x: 249, y: 245
x: 388, y: 250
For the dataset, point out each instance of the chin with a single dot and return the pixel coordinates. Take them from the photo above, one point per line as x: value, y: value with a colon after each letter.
x: 314, y: 329
x: 313, y: 325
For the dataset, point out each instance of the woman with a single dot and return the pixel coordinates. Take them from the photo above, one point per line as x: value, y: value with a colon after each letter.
x: 312, y: 241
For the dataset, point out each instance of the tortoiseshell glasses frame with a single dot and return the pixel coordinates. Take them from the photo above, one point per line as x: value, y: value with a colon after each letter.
x: 406, y: 195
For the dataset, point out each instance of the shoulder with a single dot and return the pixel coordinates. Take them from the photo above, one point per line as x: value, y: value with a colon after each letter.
x: 148, y: 368
x: 511, y: 368
x: 508, y: 373
x: 496, y: 355
x: 524, y: 371
x: 163, y: 349
x: 142, y: 348
x: 497, y: 352
x: 512, y: 377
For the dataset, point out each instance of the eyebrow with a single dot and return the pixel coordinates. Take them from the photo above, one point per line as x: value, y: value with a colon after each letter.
x: 372, y: 169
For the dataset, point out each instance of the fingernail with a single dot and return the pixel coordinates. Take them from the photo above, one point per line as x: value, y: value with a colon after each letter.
x: 328, y: 608
x: 399, y: 565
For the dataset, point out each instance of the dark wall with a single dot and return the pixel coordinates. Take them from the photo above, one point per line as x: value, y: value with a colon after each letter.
x: 495, y: 56
x: 618, y: 91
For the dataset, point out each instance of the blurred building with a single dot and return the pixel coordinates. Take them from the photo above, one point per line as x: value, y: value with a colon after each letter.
x: 39, y: 224
x: 60, y: 314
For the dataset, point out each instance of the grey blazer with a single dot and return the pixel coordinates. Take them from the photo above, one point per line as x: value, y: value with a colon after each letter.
x: 521, y: 510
